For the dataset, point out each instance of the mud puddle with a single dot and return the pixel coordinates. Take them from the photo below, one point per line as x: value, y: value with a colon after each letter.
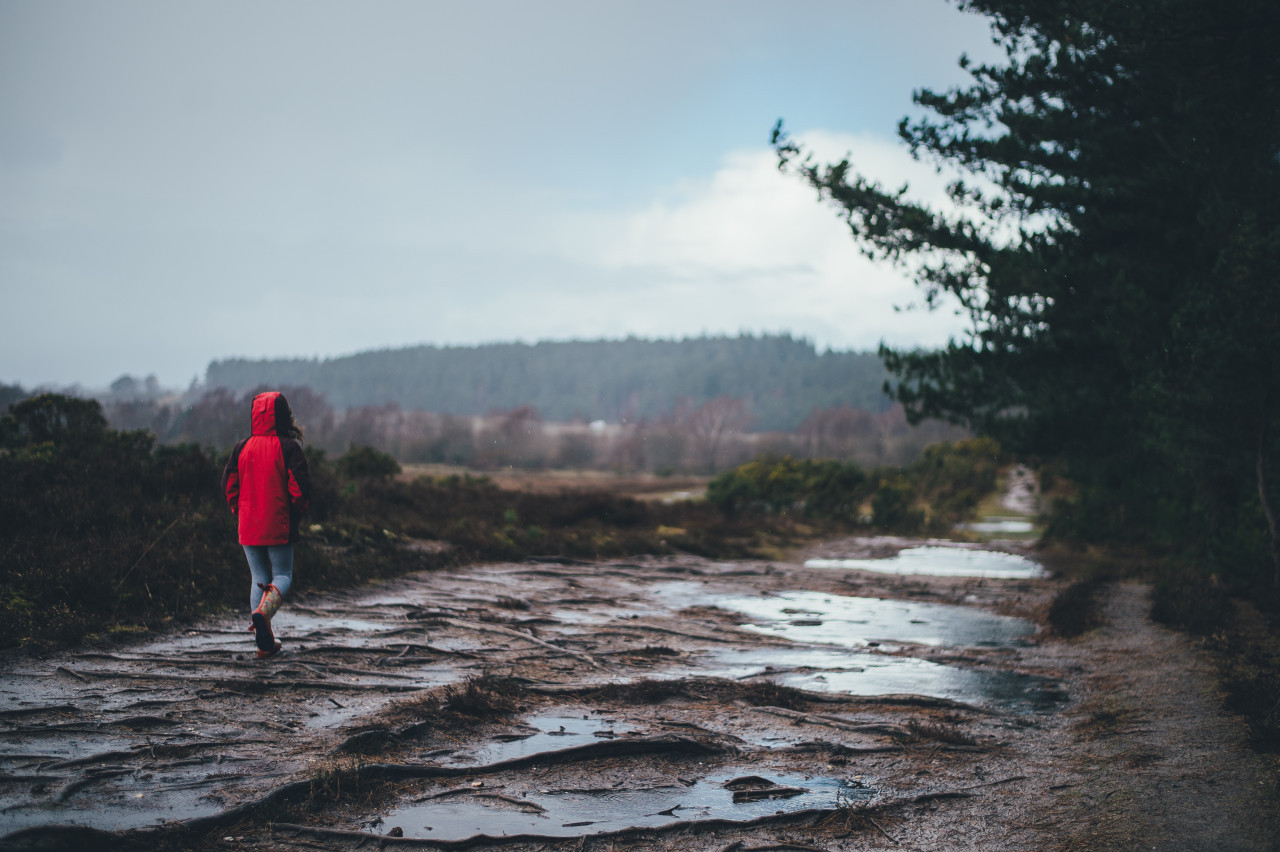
x: 545, y: 733
x: 995, y: 524
x: 734, y: 793
x: 936, y: 561
x: 868, y: 675
x: 857, y: 622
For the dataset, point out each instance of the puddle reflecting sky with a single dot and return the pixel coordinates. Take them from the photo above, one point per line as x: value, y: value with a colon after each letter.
x: 607, y: 616
x: 864, y: 673
x: 942, y: 562
x: 853, y: 622
x: 137, y: 801
x: 297, y: 624
x: 999, y: 525
x: 554, y: 733
x: 573, y: 814
x: 909, y: 676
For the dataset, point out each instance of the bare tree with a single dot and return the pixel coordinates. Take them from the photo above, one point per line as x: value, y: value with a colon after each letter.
x: 711, y: 422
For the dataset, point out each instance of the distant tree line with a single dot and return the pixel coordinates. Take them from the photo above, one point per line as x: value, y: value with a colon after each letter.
x: 701, y: 405
x: 780, y: 379
x: 706, y: 438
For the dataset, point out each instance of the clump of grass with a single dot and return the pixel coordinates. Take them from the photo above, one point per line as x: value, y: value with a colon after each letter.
x: 1106, y: 721
x: 1192, y: 603
x: 338, y: 782
x: 1250, y: 655
x: 654, y: 651
x: 759, y: 694
x: 937, y: 732
x: 766, y: 693
x: 1075, y: 609
x: 853, y: 815
x: 639, y: 692
x: 478, y: 699
x: 483, y: 697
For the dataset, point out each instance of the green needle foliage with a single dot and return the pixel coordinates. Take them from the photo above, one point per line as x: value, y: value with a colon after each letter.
x: 1116, y: 244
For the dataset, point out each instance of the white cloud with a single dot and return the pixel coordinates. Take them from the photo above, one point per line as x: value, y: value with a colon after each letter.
x: 752, y: 249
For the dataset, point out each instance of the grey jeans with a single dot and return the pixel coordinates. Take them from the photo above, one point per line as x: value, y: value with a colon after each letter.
x: 268, y: 564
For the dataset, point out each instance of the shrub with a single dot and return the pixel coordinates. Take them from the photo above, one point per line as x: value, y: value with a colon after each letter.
x: 892, y: 506
x: 952, y: 478
x: 366, y: 463
x: 820, y: 489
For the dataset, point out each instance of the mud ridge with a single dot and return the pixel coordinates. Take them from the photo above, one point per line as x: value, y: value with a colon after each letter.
x: 809, y: 816
x: 921, y: 711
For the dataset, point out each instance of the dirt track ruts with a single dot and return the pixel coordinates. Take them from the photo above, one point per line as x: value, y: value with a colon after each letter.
x: 1115, y: 740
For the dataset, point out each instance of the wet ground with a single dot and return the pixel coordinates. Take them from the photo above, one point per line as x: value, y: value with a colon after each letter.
x: 869, y: 692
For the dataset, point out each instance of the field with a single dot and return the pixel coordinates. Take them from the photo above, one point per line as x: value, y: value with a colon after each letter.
x: 639, y: 486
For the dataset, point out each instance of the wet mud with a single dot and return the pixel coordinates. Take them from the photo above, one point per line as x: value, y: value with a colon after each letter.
x: 655, y: 703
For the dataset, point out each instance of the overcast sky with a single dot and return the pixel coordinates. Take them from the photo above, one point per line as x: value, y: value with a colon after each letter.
x: 186, y: 181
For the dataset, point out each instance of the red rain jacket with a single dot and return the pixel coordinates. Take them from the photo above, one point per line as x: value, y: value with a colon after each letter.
x: 266, y: 479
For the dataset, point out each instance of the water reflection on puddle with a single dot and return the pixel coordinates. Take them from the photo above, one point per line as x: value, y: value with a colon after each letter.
x: 297, y: 624
x: 906, y: 676
x: 867, y: 673
x: 854, y: 622
x: 548, y: 733
x: 120, y: 814
x: 570, y: 813
x: 942, y: 562
x: 1016, y: 526
x: 860, y: 673
x: 609, y: 616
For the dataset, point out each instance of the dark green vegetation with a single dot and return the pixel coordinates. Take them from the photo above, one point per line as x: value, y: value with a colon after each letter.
x: 1075, y: 609
x: 932, y: 494
x: 780, y: 378
x: 1118, y: 250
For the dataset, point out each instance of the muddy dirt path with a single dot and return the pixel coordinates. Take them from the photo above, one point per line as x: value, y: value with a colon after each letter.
x: 843, y: 700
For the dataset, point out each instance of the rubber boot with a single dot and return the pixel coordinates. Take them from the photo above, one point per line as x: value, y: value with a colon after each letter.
x: 261, y: 618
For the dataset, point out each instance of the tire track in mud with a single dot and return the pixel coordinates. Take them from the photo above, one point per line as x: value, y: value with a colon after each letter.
x: 613, y: 703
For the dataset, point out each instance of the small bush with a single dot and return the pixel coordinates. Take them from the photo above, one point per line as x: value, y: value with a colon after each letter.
x: 953, y: 478
x: 366, y: 463
x: 1192, y: 603
x: 892, y: 507
x: 1074, y: 610
x: 819, y: 489
x: 937, y: 491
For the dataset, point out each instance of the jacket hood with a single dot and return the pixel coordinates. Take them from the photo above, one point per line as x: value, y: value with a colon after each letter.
x: 263, y: 418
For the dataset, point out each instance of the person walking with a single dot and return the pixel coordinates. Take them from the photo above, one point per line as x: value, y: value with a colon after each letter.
x: 267, y: 486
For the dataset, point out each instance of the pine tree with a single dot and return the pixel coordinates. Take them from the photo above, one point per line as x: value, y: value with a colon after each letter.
x: 1117, y: 249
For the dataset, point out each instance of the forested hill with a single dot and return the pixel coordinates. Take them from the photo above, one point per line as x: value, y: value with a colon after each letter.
x: 782, y: 379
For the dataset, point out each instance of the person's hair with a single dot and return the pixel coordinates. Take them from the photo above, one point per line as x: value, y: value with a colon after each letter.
x: 286, y: 424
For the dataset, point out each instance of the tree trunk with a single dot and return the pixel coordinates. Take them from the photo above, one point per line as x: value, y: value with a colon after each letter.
x: 1266, y: 505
